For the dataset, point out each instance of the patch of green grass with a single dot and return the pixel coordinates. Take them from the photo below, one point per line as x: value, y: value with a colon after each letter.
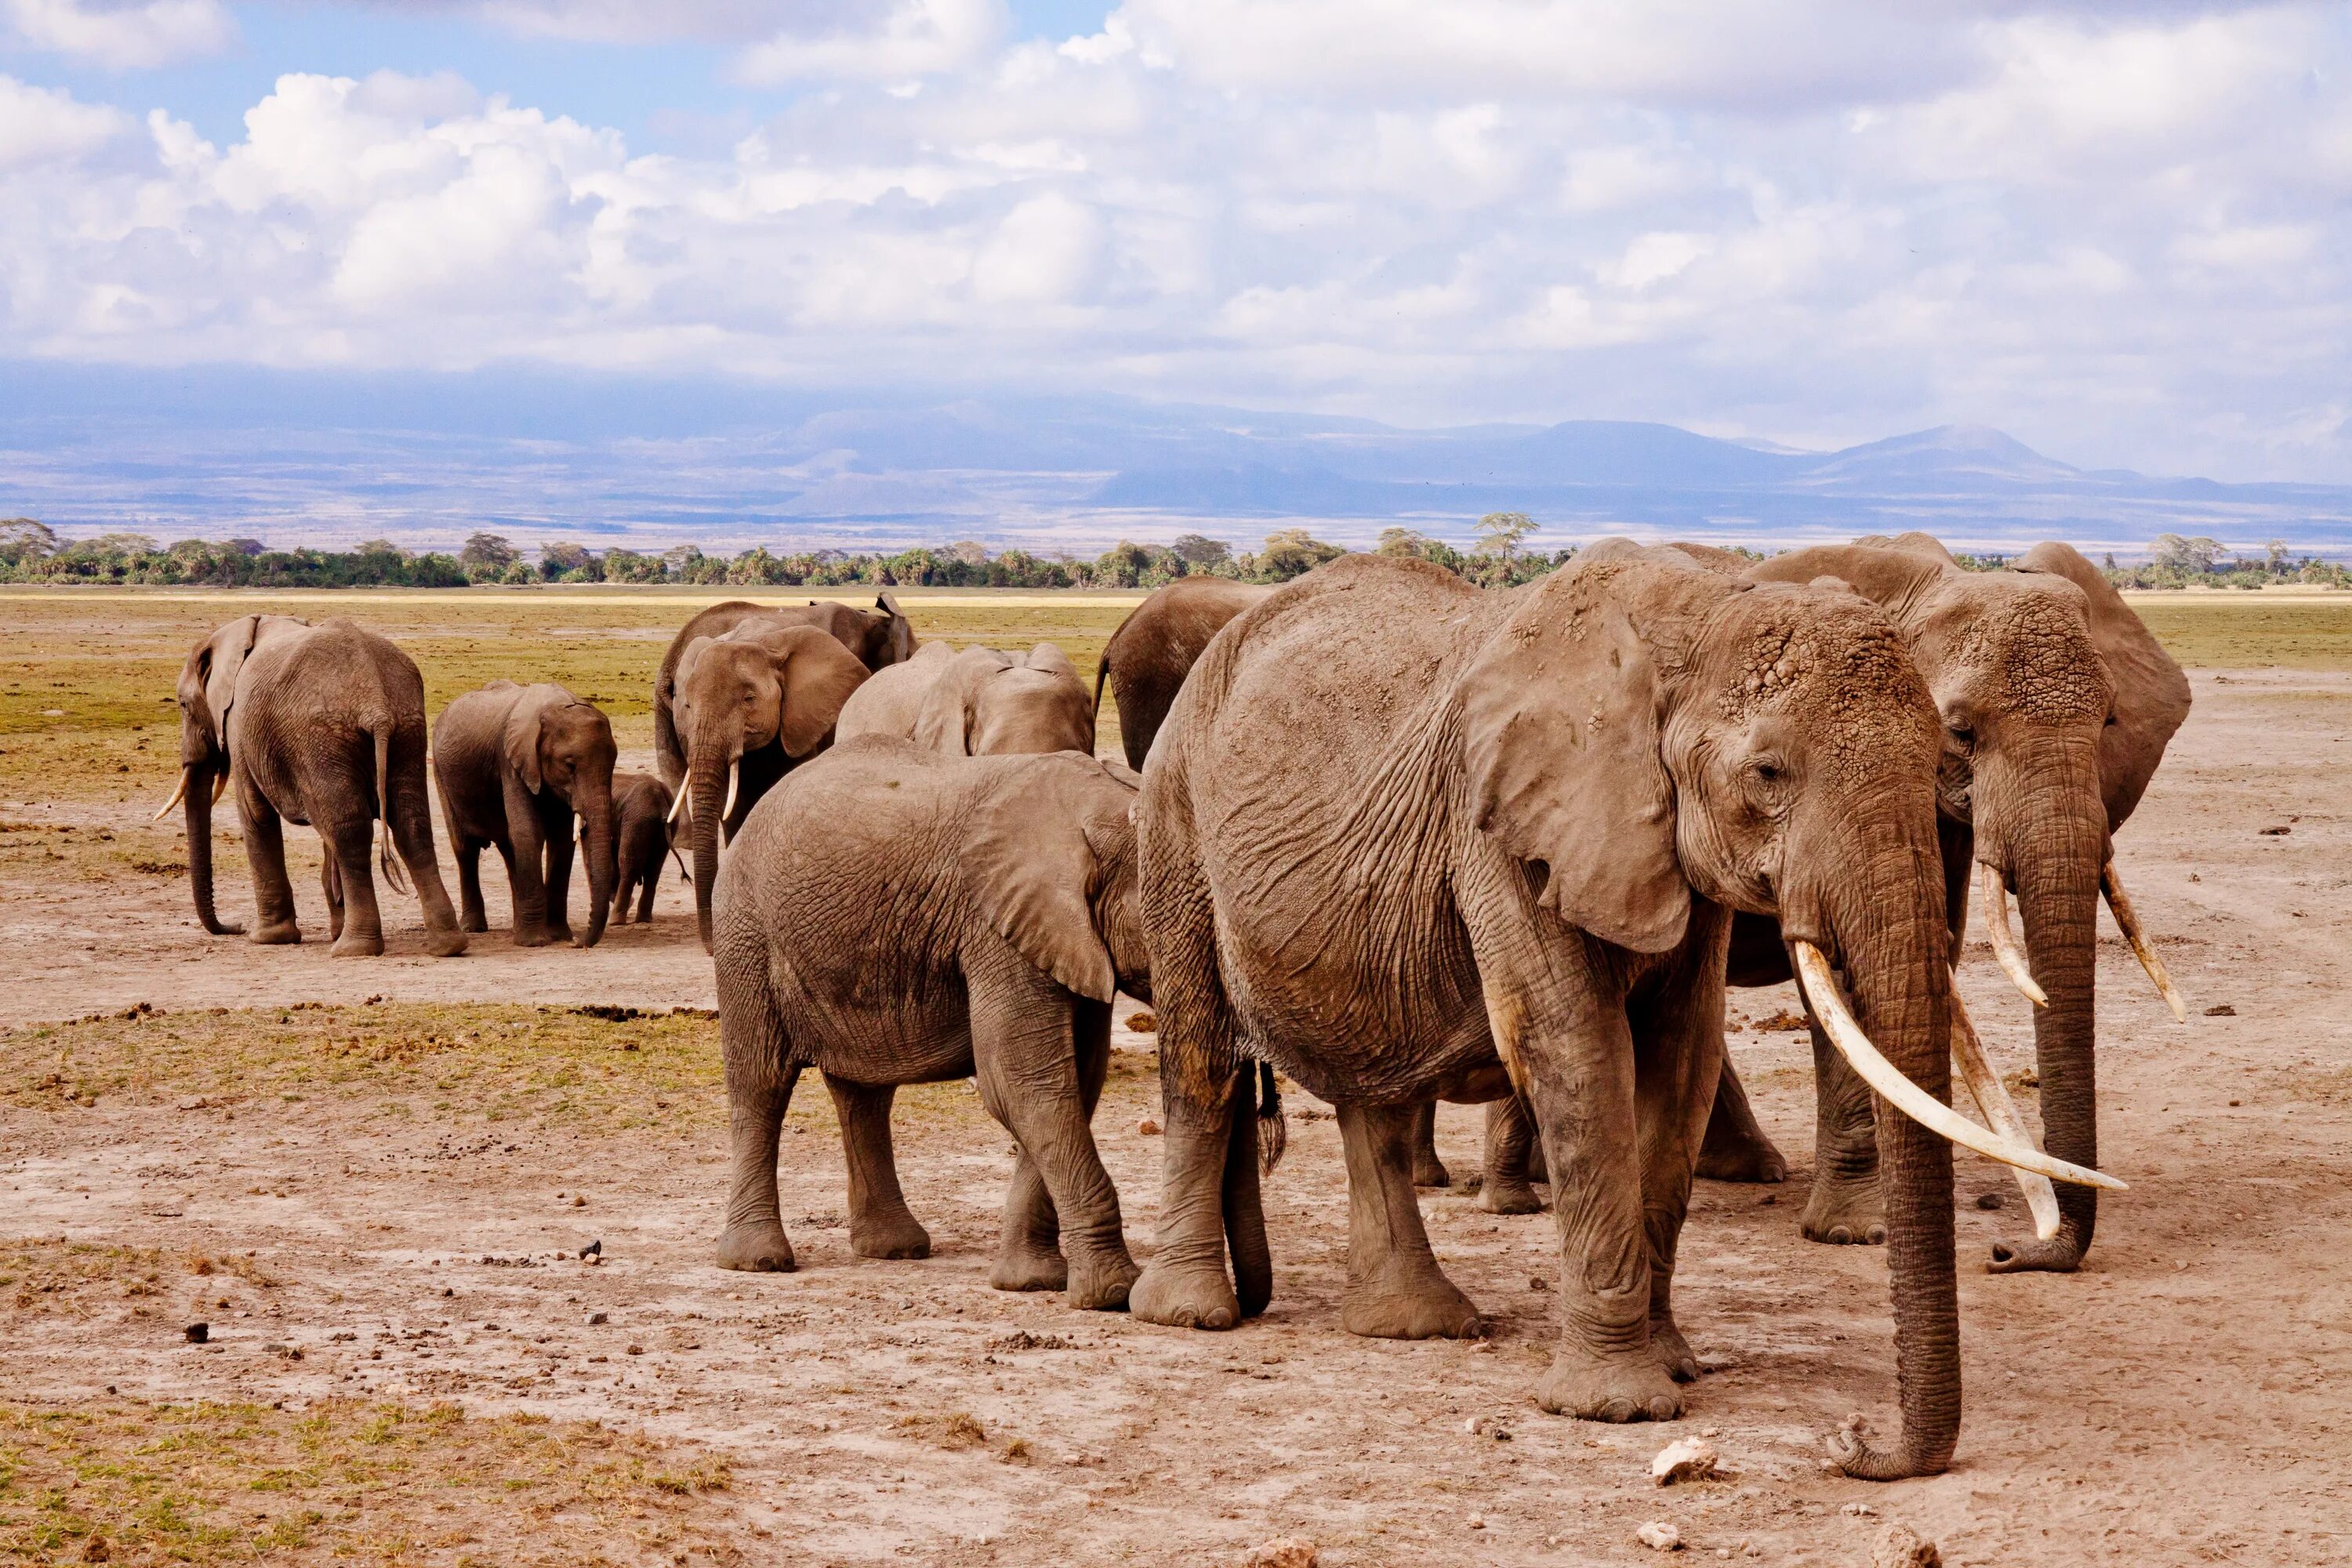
x: 2252, y: 632
x: 343, y: 1481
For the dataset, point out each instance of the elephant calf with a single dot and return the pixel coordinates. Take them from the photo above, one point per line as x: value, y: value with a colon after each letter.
x: 891, y: 915
x: 641, y: 826
x: 515, y: 765
x: 976, y: 703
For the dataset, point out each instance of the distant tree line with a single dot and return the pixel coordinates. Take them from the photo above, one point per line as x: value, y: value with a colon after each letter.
x: 2174, y: 562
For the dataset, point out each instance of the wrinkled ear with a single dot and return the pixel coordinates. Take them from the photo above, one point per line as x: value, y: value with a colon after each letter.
x: 521, y: 740
x: 1561, y: 729
x: 817, y: 675
x: 902, y: 635
x: 1051, y: 659
x: 2151, y: 695
x: 951, y: 710
x: 1030, y: 866
x: 227, y: 649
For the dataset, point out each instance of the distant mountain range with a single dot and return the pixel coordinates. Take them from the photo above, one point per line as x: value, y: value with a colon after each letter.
x: 318, y: 457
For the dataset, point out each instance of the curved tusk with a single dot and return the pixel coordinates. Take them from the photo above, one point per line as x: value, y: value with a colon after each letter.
x: 178, y: 795
x: 1837, y: 1021
x: 1992, y: 1098
x: 678, y: 808
x: 220, y: 785
x: 734, y: 787
x: 2004, y: 942
x: 2119, y: 905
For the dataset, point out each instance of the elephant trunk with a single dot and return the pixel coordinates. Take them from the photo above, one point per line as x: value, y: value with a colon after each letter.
x: 1887, y: 914
x: 196, y: 804
x: 603, y: 853
x: 707, y: 779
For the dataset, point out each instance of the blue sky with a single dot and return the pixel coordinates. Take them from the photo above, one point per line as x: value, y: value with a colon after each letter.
x: 2119, y: 229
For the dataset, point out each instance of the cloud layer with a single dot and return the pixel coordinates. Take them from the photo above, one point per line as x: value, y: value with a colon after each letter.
x: 2118, y: 231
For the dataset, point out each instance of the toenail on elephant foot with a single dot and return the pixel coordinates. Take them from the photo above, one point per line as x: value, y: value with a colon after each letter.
x: 905, y: 1240
x: 1621, y: 1388
x: 758, y: 1248
x: 2058, y: 1254
x: 1029, y: 1269
x: 275, y: 933
x: 1101, y: 1285
x: 1846, y: 1213
x: 1509, y: 1197
x: 354, y: 945
x: 1183, y: 1298
x: 1671, y: 1351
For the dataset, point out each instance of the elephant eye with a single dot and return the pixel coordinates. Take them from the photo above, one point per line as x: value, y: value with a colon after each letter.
x: 1963, y: 736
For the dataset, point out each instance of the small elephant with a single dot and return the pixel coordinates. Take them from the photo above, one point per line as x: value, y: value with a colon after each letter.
x: 641, y: 807
x: 1156, y: 646
x: 979, y: 702
x: 515, y: 765
x: 320, y: 725
x: 1010, y: 921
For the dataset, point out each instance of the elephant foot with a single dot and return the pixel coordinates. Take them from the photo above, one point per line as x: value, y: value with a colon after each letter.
x: 1029, y: 1265
x: 893, y: 1235
x: 358, y: 945
x: 2058, y: 1254
x: 529, y: 938
x: 1429, y: 1171
x: 1619, y: 1388
x: 474, y: 923
x: 445, y: 941
x: 1410, y: 1303
x: 1510, y: 1196
x: 1736, y: 1158
x: 1846, y: 1211
x: 275, y: 933
x: 1671, y: 1351
x: 760, y: 1247
x: 1101, y: 1281
x: 1183, y: 1298
x: 561, y: 936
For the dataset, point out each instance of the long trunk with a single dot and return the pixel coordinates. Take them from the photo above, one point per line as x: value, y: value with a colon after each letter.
x: 1892, y: 943
x: 602, y: 851
x: 707, y: 783
x: 198, y: 813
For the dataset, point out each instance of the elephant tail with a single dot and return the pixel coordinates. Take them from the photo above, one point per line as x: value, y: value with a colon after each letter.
x: 1273, y: 1127
x: 392, y: 877
x: 1102, y: 669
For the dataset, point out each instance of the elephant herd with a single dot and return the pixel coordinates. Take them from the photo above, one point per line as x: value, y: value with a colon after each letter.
x: 1399, y: 837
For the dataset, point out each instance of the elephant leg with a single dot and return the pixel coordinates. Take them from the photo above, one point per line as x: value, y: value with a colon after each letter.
x: 557, y: 831
x: 1513, y: 1154
x: 880, y: 1224
x: 349, y: 844
x: 1428, y: 1170
x: 1395, y: 1290
x: 470, y: 883
x: 759, y: 1080
x: 330, y: 884
x: 265, y: 856
x: 1030, y: 1258
x: 1027, y: 1058
x: 645, y: 897
x: 1736, y: 1149
x: 1845, y: 1206
x: 1678, y: 1025
x: 526, y: 856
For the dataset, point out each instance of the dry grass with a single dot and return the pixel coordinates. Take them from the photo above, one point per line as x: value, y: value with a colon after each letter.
x: 2251, y: 631
x: 345, y: 1481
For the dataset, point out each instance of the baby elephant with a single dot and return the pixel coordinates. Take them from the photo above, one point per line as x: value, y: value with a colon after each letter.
x: 893, y: 915
x: 641, y: 826
x: 514, y: 765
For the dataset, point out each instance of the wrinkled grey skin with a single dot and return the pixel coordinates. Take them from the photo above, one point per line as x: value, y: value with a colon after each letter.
x: 515, y: 765
x: 1009, y: 923
x: 1148, y: 657
x: 879, y: 638
x: 320, y: 725
x: 641, y: 826
x: 1399, y: 835
x: 760, y: 697
x: 976, y: 703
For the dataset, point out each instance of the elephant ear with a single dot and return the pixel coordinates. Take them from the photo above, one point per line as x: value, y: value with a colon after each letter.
x: 2151, y: 695
x: 1560, y: 730
x: 817, y: 675
x: 951, y: 710
x: 210, y: 675
x: 521, y: 742
x: 902, y: 634
x: 1890, y: 572
x: 1030, y: 866
x: 1052, y: 660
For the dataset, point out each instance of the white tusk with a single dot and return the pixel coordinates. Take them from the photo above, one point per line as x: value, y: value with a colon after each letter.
x: 2004, y: 944
x: 220, y: 786
x: 734, y: 787
x: 178, y: 795
x: 678, y: 808
x: 1992, y: 1098
x: 2119, y: 904
x: 1837, y: 1021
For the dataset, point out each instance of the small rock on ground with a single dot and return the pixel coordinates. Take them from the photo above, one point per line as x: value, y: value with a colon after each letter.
x: 1683, y: 1460
x: 1284, y: 1551
x: 1900, y: 1546
x: 1660, y: 1536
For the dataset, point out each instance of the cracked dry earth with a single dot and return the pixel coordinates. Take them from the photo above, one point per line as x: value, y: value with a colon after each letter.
x: 389, y: 1201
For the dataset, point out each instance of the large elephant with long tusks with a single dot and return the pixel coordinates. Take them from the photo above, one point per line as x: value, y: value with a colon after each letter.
x: 1406, y: 839
x: 321, y: 726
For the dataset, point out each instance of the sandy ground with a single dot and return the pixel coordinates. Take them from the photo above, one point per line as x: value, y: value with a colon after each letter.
x: 2185, y: 1399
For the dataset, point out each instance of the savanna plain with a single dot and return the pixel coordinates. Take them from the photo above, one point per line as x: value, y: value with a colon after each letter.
x: 373, y: 1181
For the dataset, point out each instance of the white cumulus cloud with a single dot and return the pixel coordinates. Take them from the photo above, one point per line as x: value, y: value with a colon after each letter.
x: 120, y: 35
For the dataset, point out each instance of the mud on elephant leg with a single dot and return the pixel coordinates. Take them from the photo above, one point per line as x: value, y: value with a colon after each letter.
x: 1514, y: 1158
x: 1846, y: 1208
x: 1395, y: 1290
x: 1428, y: 1170
x: 1736, y: 1149
x: 880, y: 1224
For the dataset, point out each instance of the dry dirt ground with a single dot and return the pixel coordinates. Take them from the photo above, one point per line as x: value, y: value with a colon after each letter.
x: 378, y: 1207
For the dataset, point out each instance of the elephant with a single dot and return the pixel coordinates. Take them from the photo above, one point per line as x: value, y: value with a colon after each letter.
x: 1407, y: 839
x: 1156, y: 646
x: 879, y: 637
x: 979, y: 702
x: 515, y: 765
x: 1010, y: 921
x: 749, y: 704
x: 322, y: 725
x: 641, y: 826
x: 2056, y: 706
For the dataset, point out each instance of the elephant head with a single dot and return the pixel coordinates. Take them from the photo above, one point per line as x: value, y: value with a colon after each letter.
x: 1051, y: 861
x: 557, y: 744
x: 2055, y: 706
x: 986, y: 703
x: 207, y: 696
x: 889, y: 639
x: 752, y: 702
